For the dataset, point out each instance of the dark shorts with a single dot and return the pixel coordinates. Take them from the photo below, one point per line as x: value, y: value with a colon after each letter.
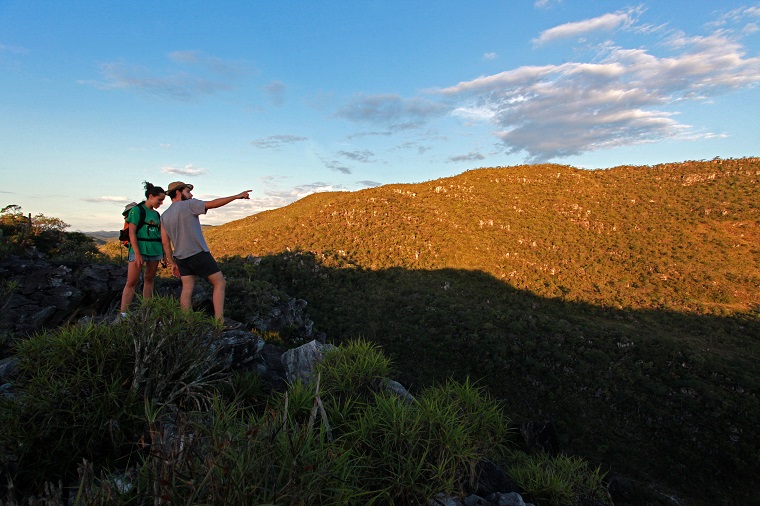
x: 201, y: 264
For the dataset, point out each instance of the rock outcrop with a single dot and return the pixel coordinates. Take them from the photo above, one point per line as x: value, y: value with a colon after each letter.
x: 39, y: 294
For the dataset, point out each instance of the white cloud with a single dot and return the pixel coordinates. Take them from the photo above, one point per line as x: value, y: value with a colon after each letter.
x: 187, y: 170
x: 490, y: 56
x: 274, y: 197
x: 627, y: 96
x: 605, y: 23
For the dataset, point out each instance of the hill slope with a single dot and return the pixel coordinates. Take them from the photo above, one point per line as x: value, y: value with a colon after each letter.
x: 681, y: 236
x: 622, y: 304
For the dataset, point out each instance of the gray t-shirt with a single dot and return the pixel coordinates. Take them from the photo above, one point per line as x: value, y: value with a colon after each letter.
x: 184, y: 228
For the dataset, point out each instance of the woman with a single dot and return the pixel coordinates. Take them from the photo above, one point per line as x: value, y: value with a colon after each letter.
x: 144, y: 245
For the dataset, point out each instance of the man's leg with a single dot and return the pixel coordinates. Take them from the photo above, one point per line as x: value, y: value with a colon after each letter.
x: 219, y: 284
x: 186, y: 297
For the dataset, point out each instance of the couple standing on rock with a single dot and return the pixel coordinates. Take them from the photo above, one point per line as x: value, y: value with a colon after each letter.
x: 151, y: 237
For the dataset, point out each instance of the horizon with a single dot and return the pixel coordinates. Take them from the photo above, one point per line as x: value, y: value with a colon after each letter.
x: 291, y: 99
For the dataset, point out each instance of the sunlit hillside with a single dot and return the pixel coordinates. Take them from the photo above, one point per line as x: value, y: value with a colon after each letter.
x: 683, y: 236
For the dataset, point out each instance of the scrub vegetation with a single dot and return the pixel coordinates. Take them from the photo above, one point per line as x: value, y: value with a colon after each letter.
x: 135, y: 414
x: 622, y: 304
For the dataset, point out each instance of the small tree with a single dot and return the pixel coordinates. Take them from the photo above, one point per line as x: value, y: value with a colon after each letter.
x: 20, y: 232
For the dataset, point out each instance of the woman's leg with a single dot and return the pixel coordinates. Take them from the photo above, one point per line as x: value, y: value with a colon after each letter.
x: 128, y: 294
x: 149, y: 278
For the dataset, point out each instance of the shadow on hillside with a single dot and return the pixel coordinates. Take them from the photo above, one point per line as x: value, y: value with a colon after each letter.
x: 661, y: 396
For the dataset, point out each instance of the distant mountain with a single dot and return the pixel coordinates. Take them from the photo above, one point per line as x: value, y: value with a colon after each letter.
x: 103, y: 236
x: 682, y: 236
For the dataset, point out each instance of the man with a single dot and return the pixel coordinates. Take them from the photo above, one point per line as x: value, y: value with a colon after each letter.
x: 181, y: 228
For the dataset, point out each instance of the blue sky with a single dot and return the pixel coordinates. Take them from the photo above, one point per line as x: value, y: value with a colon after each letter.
x: 289, y: 98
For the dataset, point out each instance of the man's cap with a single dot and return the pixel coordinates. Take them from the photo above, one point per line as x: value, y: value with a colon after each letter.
x: 128, y: 207
x: 178, y: 185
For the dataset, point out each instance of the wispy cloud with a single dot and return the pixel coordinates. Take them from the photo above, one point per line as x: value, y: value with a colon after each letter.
x: 9, y: 55
x: 277, y: 141
x: 187, y: 170
x: 369, y: 184
x: 198, y: 76
x: 605, y: 23
x: 626, y: 96
x: 336, y: 166
x: 108, y: 199
x: 391, y: 111
x: 545, y: 4
x: 212, y: 63
x: 276, y: 92
x: 738, y: 17
x: 415, y: 146
x: 364, y: 156
x: 359, y: 135
x: 490, y: 56
x: 6, y: 49
x: 469, y: 157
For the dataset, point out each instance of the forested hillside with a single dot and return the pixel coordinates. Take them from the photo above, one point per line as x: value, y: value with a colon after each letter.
x: 683, y: 236
x: 622, y: 304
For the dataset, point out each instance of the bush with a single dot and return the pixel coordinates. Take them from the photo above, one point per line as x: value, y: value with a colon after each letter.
x: 560, y: 480
x: 228, y: 455
x: 488, y: 430
x: 394, y: 452
x: 354, y: 369
x: 81, y: 389
x: 173, y: 361
x: 411, y: 451
x: 73, y: 401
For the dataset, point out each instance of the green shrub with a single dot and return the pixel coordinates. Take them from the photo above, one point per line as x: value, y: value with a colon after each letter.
x: 411, y: 451
x: 392, y: 447
x: 81, y: 389
x: 560, y: 480
x: 73, y: 401
x: 231, y: 456
x: 353, y: 369
x: 246, y: 387
x: 487, y: 428
x: 172, y: 358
